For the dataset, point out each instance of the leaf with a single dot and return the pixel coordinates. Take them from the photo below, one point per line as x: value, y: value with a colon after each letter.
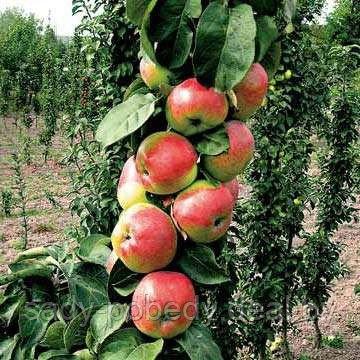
x: 33, y: 322
x: 200, y: 264
x: 266, y: 34
x: 173, y: 20
x: 271, y: 61
x: 125, y: 118
x: 94, y: 249
x: 135, y: 10
x: 289, y: 9
x: 7, y: 347
x: 10, y: 307
x: 224, y: 45
x: 147, y: 46
x: 75, y: 331
x: 57, y: 355
x: 213, y: 143
x: 122, y: 281
x: 108, y: 319
x: 54, y: 336
x: 87, y: 284
x: 264, y: 7
x: 120, y: 344
x: 136, y: 87
x: 198, y: 343
x: 148, y: 351
x: 31, y: 267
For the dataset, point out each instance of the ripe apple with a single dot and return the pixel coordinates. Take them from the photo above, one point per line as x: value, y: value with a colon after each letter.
x: 130, y: 189
x: 144, y: 238
x: 233, y: 187
x: 166, y: 162
x: 227, y: 165
x: 192, y: 108
x: 204, y: 211
x: 251, y: 91
x: 153, y: 74
x: 163, y: 304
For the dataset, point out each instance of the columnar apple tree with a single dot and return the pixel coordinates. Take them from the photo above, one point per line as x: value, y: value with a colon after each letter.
x: 204, y: 71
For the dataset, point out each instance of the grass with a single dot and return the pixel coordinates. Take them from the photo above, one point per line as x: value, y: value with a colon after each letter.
x: 334, y: 342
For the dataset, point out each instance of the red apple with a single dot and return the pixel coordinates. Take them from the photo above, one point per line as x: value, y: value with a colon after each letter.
x: 233, y: 187
x: 163, y: 304
x: 251, y: 91
x: 144, y: 238
x: 192, y: 108
x: 130, y: 189
x: 166, y: 162
x: 154, y: 75
x: 204, y: 211
x: 227, y: 165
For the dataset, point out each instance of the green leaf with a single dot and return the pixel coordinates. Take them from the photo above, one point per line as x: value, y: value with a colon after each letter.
x: 357, y: 289
x: 122, y: 281
x: 173, y: 20
x: 266, y: 34
x: 147, y: 46
x: 87, y: 284
x: 120, y: 344
x: 57, y: 355
x: 224, y: 45
x: 200, y: 264
x: 198, y: 344
x: 125, y: 118
x: 10, y: 307
x: 135, y: 10
x: 271, y: 61
x: 33, y: 322
x: 264, y: 7
x: 54, y: 336
x: 289, y: 9
x: 94, y: 249
x: 108, y: 319
x: 148, y: 351
x: 213, y: 143
x: 136, y: 87
x: 75, y: 331
x: 7, y: 347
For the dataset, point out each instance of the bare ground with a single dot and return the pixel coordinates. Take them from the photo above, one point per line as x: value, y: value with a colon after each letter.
x: 48, y: 225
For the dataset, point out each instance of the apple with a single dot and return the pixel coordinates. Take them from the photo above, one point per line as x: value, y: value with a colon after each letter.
x: 144, y: 238
x: 192, y: 108
x: 288, y: 74
x: 130, y: 189
x: 204, y: 211
x: 231, y: 163
x: 166, y: 162
x: 251, y: 91
x: 153, y: 74
x: 163, y: 304
x: 233, y: 187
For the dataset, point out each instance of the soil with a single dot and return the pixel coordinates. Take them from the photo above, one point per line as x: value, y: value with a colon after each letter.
x: 49, y: 224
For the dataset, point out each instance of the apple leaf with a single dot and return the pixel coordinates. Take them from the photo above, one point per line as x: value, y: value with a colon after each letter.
x: 7, y: 347
x: 200, y: 264
x: 136, y: 87
x: 289, y: 9
x: 271, y: 61
x: 94, y: 249
x: 135, y: 10
x: 264, y: 7
x: 54, y: 337
x: 198, y: 343
x: 213, y: 143
x: 266, y: 34
x: 173, y: 32
x: 125, y: 118
x: 57, y: 355
x: 108, y: 319
x: 224, y: 45
x: 148, y: 351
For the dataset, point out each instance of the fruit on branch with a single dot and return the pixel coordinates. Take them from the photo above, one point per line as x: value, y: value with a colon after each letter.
x: 153, y: 74
x: 144, y: 238
x: 227, y: 165
x: 233, y: 187
x: 192, y: 108
x: 130, y: 189
x: 166, y: 162
x: 204, y: 211
x: 163, y: 304
x: 288, y: 74
x: 251, y: 91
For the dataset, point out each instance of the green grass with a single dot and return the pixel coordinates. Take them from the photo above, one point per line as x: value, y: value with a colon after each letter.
x: 304, y: 357
x: 334, y: 342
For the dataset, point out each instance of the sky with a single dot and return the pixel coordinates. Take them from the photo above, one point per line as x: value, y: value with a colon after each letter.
x: 60, y: 10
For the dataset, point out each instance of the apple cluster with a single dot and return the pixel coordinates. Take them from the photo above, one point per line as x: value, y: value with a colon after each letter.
x: 167, y: 165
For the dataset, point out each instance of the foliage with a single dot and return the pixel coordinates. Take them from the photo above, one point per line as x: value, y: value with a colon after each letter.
x: 7, y: 201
